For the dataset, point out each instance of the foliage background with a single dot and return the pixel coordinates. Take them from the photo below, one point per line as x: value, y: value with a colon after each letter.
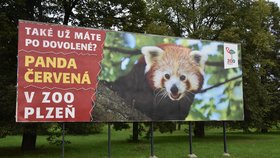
x: 221, y: 97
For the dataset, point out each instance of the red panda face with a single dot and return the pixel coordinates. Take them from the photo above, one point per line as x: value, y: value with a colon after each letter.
x: 174, y: 70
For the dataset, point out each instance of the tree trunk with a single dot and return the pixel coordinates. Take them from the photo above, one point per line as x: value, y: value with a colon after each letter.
x: 135, y: 134
x: 66, y: 17
x: 68, y: 6
x: 40, y: 10
x: 199, y: 129
x: 179, y: 126
x: 264, y: 130
x: 29, y: 137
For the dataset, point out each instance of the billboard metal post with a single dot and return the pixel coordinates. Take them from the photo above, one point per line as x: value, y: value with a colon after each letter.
x: 109, y: 140
x: 191, y: 155
x: 225, y: 140
x: 63, y: 142
x: 152, y: 140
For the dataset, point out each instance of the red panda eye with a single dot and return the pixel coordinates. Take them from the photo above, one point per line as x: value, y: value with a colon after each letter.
x: 182, y: 78
x: 167, y: 76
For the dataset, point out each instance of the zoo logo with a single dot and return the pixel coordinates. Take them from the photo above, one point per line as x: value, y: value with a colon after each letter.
x: 231, y: 52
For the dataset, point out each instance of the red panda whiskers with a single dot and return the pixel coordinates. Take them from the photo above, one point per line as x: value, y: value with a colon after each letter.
x: 161, y: 93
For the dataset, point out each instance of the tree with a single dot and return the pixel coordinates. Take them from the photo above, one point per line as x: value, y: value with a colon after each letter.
x: 253, y: 24
x: 11, y: 12
x: 194, y: 19
x: 118, y: 15
x: 126, y: 15
x: 257, y: 45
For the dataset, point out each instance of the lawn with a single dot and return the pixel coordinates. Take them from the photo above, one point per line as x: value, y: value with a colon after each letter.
x: 167, y: 145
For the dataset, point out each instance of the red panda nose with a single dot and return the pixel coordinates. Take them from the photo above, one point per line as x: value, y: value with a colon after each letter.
x: 174, y: 89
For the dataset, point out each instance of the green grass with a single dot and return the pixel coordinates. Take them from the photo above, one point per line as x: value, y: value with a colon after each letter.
x: 167, y: 145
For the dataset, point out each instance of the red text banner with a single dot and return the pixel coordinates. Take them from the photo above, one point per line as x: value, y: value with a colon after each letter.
x: 57, y: 72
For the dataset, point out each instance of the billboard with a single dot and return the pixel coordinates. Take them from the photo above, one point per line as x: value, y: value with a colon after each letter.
x: 72, y: 74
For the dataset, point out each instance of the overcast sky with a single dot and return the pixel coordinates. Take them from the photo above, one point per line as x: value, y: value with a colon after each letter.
x: 277, y: 1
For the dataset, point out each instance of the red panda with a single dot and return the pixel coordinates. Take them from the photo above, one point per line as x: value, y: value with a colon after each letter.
x: 174, y: 70
x: 163, y: 83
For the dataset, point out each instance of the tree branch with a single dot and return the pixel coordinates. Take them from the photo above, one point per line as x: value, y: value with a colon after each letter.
x: 219, y: 84
x: 217, y: 63
x: 137, y: 52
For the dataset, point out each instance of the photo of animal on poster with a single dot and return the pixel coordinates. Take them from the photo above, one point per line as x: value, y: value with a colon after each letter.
x: 160, y: 78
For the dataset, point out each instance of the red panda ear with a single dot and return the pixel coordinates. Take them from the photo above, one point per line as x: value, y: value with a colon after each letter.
x: 199, y: 57
x: 150, y: 54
